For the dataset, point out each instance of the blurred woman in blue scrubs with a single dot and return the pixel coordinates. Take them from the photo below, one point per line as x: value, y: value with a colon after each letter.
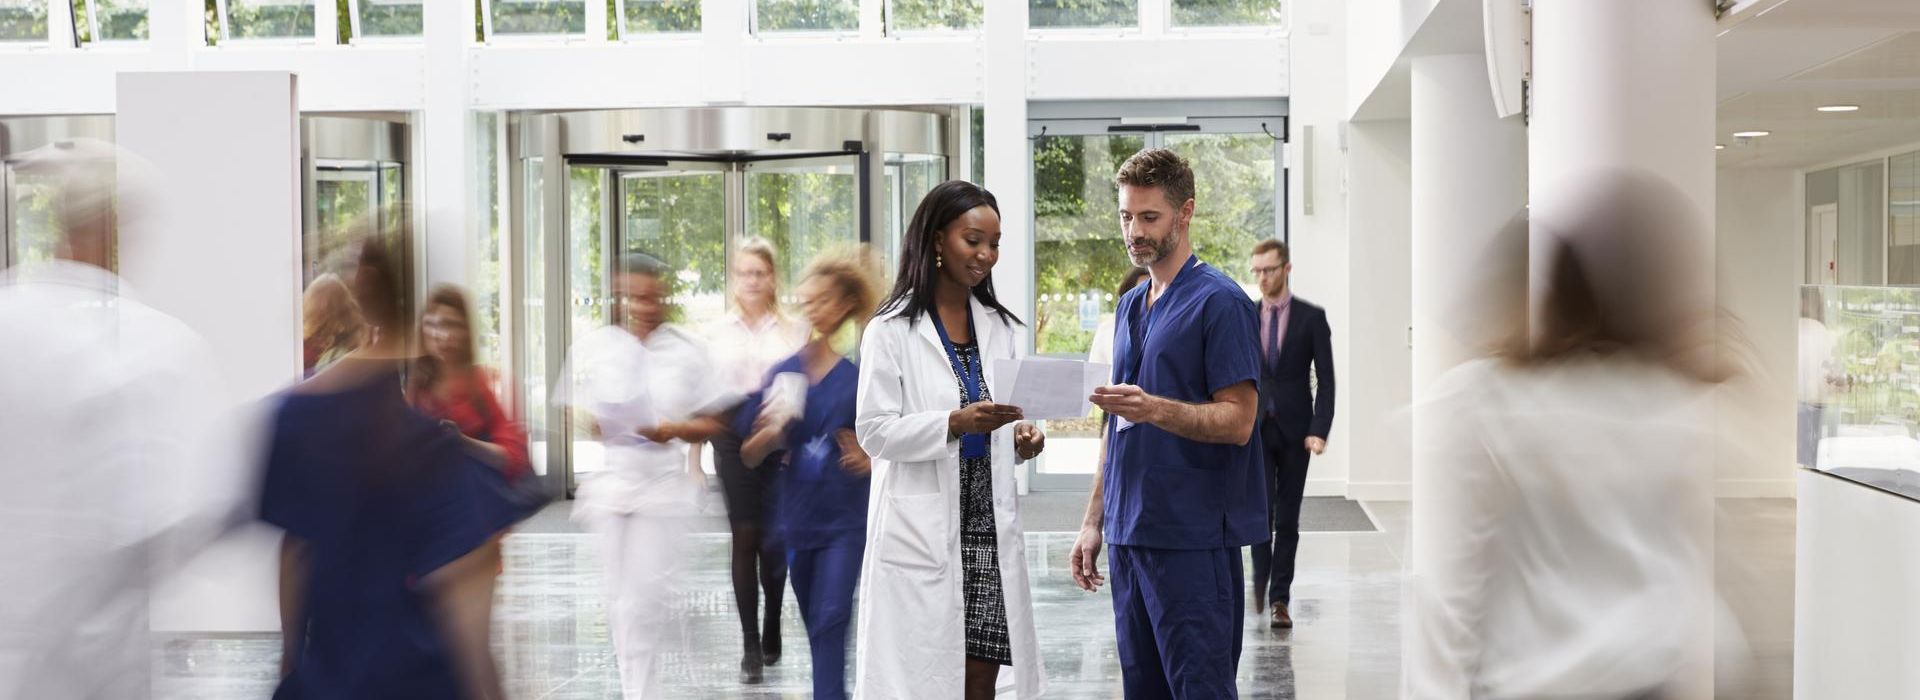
x: 821, y: 514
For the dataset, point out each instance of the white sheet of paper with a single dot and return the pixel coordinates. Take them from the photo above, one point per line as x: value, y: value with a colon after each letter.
x: 1050, y: 389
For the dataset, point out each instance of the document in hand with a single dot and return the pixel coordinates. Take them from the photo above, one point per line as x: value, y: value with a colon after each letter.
x: 1049, y: 389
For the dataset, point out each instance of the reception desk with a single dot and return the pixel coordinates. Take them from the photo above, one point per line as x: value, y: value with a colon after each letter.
x: 1857, y: 545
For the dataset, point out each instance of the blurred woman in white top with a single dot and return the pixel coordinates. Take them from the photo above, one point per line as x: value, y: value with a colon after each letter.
x: 1562, y: 546
x: 745, y: 343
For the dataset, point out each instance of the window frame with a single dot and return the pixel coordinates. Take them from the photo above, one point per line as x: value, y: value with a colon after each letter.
x: 1156, y: 134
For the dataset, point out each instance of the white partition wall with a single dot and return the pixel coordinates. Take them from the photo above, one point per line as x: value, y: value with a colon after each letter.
x: 1857, y: 564
x: 217, y: 246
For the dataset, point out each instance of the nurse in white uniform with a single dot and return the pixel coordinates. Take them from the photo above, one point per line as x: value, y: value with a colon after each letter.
x: 646, y: 384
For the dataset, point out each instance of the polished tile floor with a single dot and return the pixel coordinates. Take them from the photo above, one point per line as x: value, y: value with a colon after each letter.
x: 552, y: 634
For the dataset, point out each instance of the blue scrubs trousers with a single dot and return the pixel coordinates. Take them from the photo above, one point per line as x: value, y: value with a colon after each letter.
x: 1177, y: 619
x: 823, y: 582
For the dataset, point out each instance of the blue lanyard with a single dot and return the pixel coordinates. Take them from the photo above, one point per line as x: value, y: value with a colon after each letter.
x: 972, y: 445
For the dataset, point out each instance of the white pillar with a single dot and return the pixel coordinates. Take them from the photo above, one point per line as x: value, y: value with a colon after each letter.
x: 1629, y: 85
x: 445, y: 131
x: 1622, y: 84
x: 1004, y: 46
x: 1469, y: 178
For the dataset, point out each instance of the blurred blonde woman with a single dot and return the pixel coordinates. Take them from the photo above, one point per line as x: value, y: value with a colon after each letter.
x: 744, y: 344
x: 331, y: 321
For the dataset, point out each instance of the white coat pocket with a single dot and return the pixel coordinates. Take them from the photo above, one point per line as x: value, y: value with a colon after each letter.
x: 915, y: 534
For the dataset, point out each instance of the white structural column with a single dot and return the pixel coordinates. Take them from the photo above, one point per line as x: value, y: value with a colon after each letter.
x: 1469, y: 177
x: 1622, y: 84
x: 1006, y: 148
x: 445, y: 132
x: 1628, y: 85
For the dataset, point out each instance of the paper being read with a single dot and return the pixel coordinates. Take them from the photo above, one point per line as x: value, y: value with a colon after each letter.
x: 1050, y: 389
x: 609, y: 369
x: 786, y: 397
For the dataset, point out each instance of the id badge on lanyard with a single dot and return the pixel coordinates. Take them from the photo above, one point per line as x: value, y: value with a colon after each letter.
x: 972, y: 445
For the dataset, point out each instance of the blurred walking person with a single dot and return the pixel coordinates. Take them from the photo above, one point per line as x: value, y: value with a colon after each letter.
x: 744, y: 344
x: 331, y: 323
x: 805, y: 408
x: 1568, y: 542
x: 111, y: 445
x: 647, y: 386
x: 386, y: 576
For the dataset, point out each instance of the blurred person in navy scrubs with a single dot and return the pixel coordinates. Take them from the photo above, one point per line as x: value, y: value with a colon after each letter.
x: 821, y: 514
x: 1180, y: 489
x: 386, y: 576
x: 117, y: 459
x: 1295, y: 417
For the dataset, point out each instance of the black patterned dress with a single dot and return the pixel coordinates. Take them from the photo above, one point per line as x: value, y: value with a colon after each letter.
x: 980, y: 540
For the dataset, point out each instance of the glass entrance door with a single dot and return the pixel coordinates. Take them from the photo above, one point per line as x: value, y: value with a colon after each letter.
x: 28, y: 208
x: 350, y: 198
x: 689, y: 214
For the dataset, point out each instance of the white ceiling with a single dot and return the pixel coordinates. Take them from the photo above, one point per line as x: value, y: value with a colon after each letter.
x: 1780, y: 59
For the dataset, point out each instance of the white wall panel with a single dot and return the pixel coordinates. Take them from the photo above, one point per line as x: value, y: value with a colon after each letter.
x: 1856, y: 566
x: 1073, y: 67
x: 218, y: 248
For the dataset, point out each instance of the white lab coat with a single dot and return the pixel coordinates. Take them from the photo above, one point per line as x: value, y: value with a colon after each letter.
x: 912, y: 636
x: 1567, y: 549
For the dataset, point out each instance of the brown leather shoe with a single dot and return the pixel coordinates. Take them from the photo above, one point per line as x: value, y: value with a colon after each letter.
x: 1281, y: 620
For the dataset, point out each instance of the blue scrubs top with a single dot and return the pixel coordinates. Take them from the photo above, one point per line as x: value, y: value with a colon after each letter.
x: 1169, y: 492
x: 818, y: 500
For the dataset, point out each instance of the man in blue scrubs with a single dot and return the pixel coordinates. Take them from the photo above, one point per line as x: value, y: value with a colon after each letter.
x: 1180, y: 488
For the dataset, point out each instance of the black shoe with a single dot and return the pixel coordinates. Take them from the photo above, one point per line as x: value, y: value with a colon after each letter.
x: 770, y: 642
x: 750, y: 668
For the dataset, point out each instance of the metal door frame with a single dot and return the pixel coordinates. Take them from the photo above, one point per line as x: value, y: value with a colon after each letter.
x: 650, y: 138
x: 1227, y: 118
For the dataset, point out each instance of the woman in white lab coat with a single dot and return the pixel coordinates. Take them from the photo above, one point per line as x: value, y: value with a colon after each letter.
x: 944, y: 603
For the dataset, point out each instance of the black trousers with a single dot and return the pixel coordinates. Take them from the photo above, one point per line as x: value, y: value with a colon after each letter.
x: 1286, y: 461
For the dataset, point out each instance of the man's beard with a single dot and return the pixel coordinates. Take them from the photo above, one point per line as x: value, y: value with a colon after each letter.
x: 1157, y: 251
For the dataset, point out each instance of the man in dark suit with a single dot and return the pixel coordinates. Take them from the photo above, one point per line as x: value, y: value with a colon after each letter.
x: 1295, y: 416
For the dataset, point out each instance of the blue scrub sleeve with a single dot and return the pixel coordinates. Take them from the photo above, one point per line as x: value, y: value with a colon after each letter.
x: 1231, y: 344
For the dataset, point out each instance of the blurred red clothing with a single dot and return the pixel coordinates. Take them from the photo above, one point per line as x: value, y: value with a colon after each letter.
x: 464, y: 397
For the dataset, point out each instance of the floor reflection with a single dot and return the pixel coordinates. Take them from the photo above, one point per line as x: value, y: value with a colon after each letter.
x: 552, y: 632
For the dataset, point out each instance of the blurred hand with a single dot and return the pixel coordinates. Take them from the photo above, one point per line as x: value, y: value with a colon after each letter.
x: 853, y: 460
x: 982, y: 417
x: 1028, y: 441
x: 1085, y: 559
x: 1316, y: 445
x: 662, y: 433
x: 1128, y: 401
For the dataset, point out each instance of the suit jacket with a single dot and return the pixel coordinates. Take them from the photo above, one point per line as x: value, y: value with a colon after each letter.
x: 1286, y: 397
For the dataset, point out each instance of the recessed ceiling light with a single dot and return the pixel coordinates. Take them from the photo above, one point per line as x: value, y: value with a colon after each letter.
x: 1840, y: 108
x: 1719, y: 147
x: 1751, y: 134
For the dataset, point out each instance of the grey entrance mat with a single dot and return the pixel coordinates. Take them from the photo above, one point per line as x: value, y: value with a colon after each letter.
x: 1044, y: 511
